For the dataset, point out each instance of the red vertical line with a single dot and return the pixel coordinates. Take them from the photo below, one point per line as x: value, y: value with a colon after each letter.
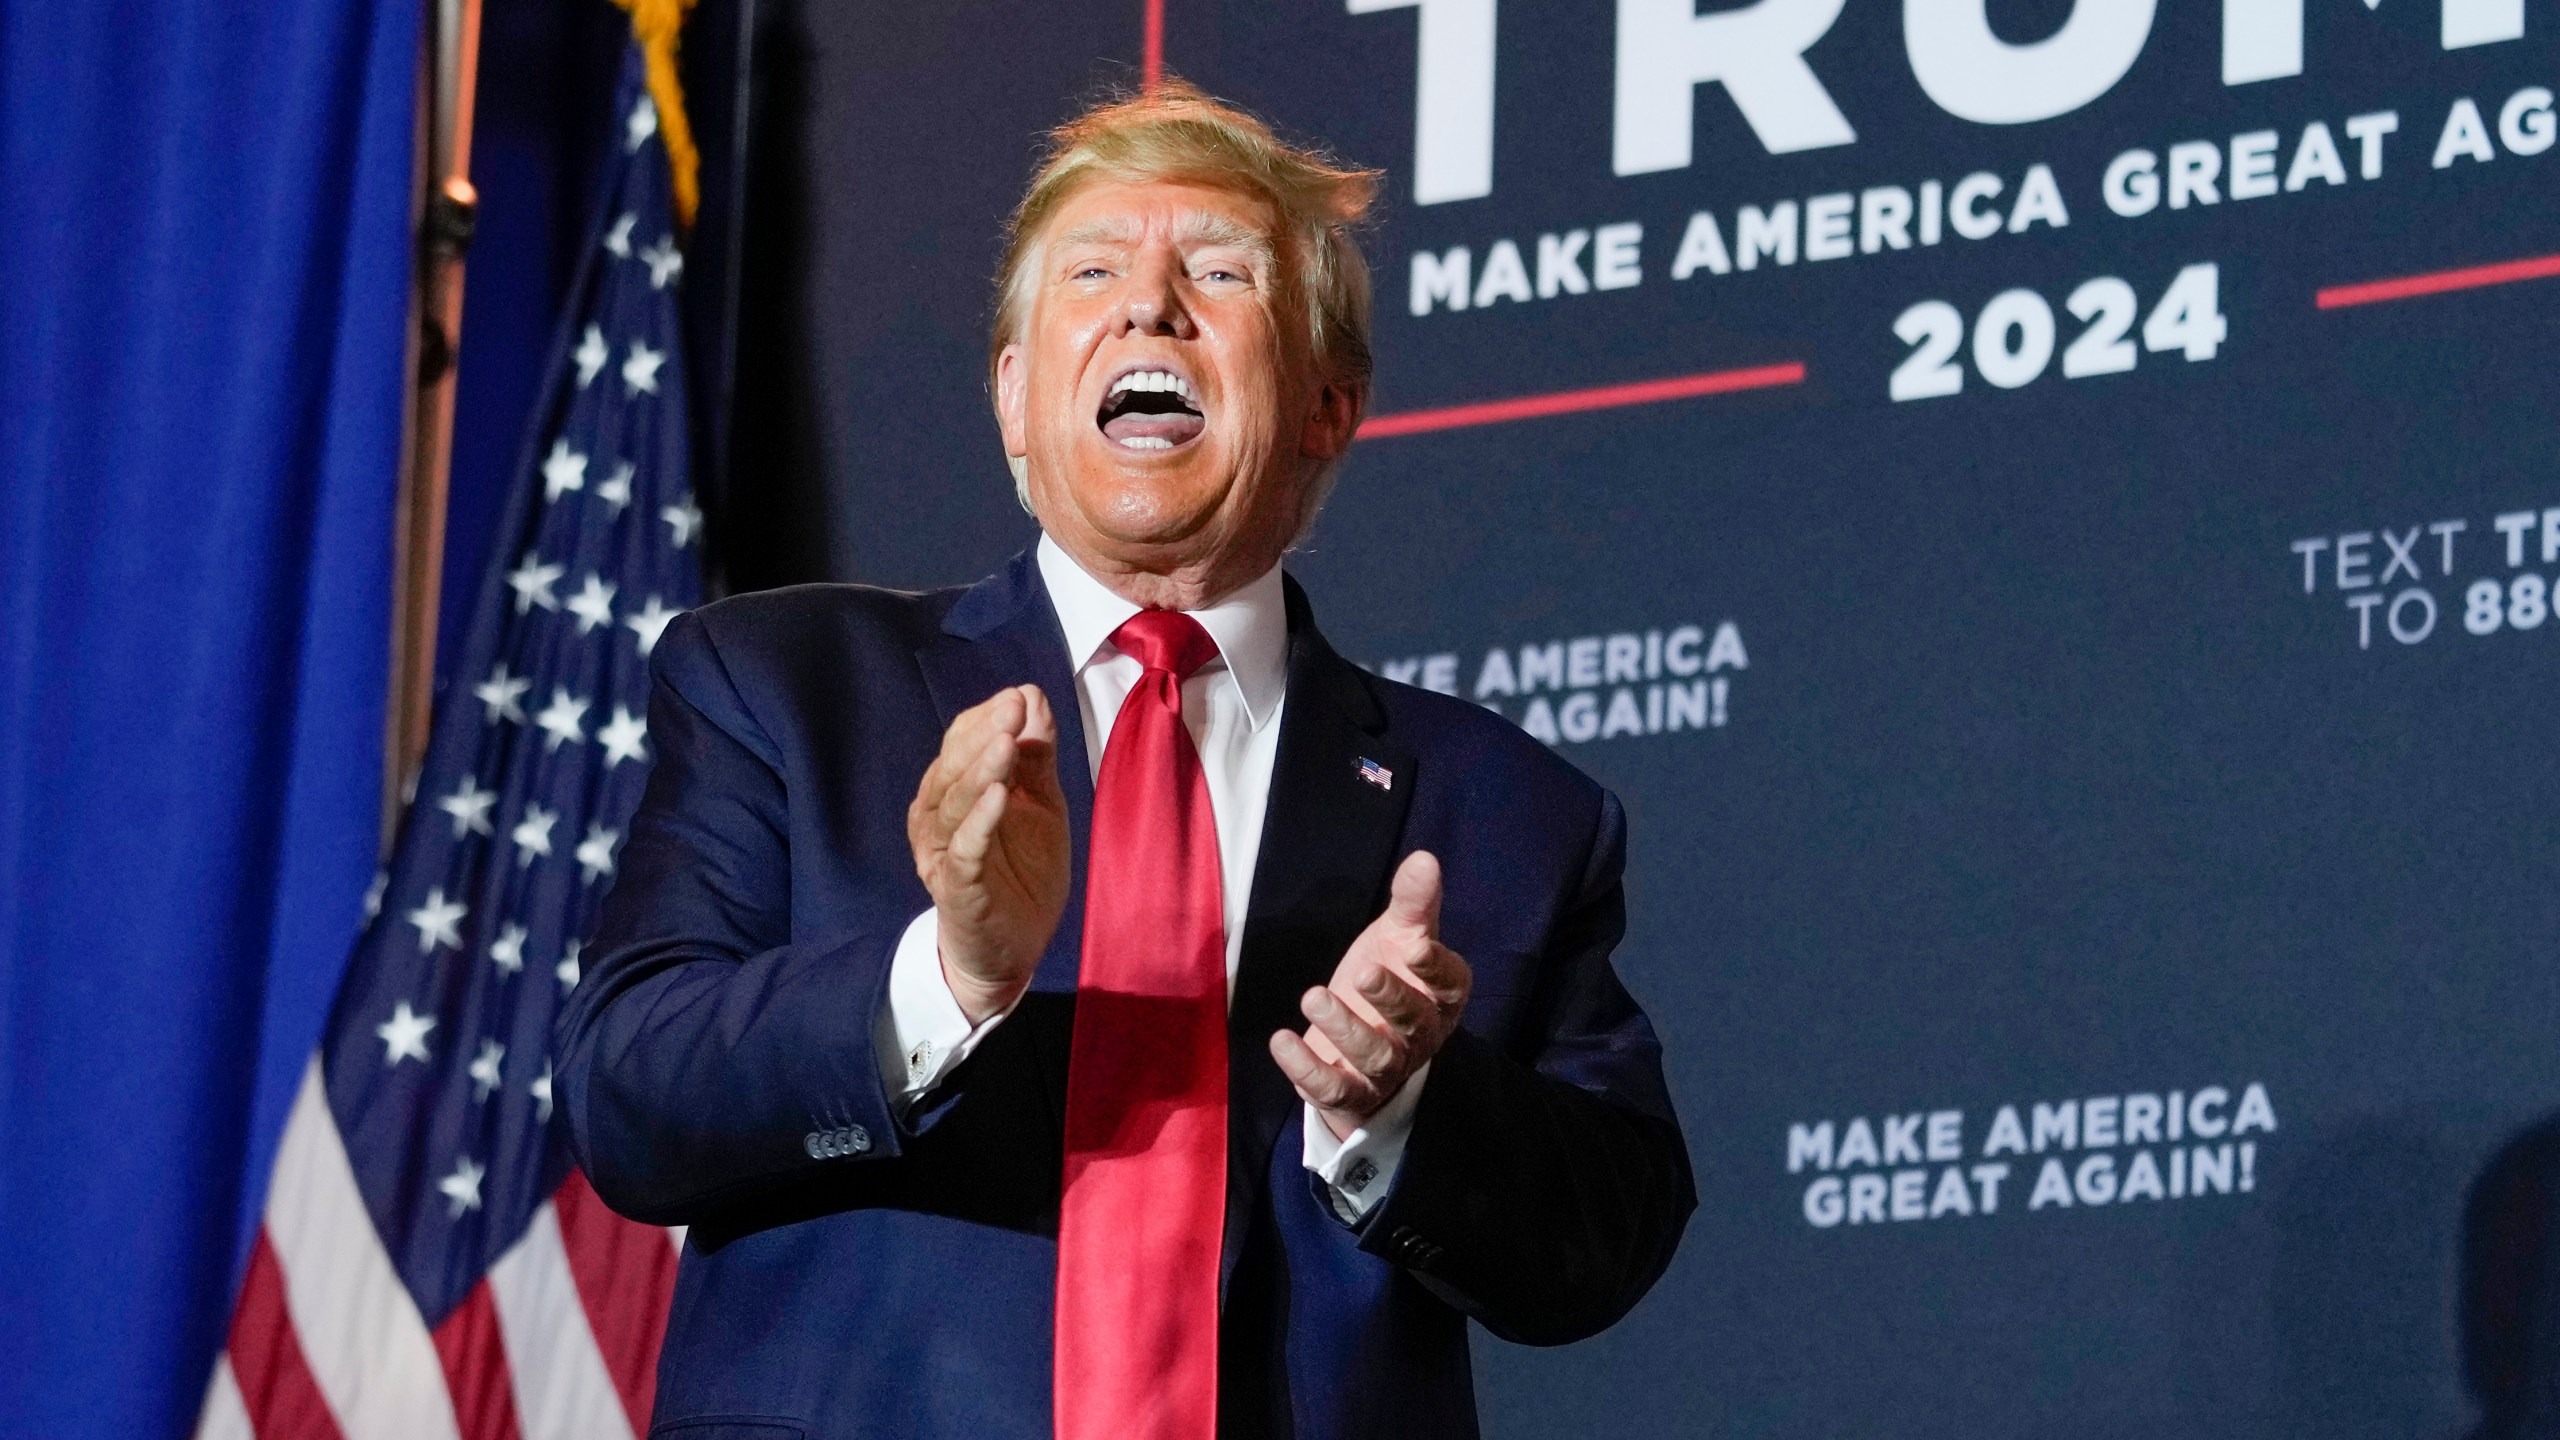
x: 277, y: 1388
x: 476, y: 1373
x: 625, y: 1274
x: 1151, y: 59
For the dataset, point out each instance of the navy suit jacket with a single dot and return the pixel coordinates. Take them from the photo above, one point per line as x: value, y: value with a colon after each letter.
x: 852, y: 1271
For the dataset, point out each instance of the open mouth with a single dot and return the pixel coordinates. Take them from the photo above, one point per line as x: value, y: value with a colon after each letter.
x: 1151, y: 409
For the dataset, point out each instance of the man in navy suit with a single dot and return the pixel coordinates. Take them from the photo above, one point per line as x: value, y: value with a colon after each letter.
x: 871, y: 1008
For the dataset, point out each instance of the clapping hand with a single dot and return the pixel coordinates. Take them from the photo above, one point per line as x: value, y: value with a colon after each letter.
x: 1393, y: 1000
x: 989, y: 832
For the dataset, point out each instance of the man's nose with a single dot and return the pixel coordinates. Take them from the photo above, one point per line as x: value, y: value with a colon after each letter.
x: 1152, y: 303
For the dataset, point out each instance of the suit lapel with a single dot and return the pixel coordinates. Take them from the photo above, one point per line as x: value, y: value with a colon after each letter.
x: 1004, y: 631
x: 1329, y: 841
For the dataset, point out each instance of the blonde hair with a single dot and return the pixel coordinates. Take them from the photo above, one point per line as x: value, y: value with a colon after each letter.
x: 1175, y: 133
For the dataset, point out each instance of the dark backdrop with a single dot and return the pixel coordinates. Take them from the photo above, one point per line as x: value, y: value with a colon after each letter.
x: 2113, y: 743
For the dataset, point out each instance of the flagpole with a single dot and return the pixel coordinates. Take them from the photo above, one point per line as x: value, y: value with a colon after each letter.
x: 444, y: 217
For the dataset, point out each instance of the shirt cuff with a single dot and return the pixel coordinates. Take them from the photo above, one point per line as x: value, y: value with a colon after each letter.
x: 1360, y: 1168
x: 922, y: 1032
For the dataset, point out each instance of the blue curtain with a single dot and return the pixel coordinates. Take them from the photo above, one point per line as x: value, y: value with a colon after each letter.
x: 203, y: 286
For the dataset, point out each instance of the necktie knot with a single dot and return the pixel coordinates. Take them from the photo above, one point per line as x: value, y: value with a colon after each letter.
x: 1165, y: 640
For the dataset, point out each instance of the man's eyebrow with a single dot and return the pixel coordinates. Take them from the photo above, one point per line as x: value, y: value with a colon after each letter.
x: 1206, y: 229
x: 1198, y: 228
x: 1103, y: 231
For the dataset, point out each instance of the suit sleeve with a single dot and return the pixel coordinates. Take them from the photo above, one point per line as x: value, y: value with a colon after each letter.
x: 1545, y: 1186
x: 704, y: 1059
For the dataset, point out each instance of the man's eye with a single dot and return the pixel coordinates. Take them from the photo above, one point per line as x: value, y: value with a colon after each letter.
x: 1092, y: 272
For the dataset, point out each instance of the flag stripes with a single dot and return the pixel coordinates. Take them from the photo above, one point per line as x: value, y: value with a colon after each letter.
x: 558, y: 1342
x: 565, y: 1391
x: 273, y: 1386
x: 475, y: 1369
x: 626, y: 1274
x: 368, y: 1348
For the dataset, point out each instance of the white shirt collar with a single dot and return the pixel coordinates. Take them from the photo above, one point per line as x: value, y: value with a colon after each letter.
x: 1250, y: 625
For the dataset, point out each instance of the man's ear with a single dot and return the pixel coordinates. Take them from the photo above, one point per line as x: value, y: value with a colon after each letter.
x: 1011, y: 387
x: 1334, y: 421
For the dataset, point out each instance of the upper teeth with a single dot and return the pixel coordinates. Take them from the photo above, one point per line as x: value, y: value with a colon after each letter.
x: 1153, y: 380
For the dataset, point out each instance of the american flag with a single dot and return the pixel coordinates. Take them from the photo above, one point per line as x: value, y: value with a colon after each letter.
x: 429, y: 1265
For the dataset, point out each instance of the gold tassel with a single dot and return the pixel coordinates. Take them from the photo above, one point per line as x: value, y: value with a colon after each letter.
x: 656, y: 24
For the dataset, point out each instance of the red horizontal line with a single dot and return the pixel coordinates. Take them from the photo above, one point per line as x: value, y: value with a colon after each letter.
x: 1565, y: 402
x: 2438, y: 282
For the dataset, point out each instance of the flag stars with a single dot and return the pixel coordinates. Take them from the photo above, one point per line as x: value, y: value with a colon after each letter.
x: 664, y: 260
x: 649, y: 624
x: 615, y: 489
x: 499, y: 694
x: 488, y: 801
x: 532, y: 582
x: 640, y: 125
x: 469, y: 807
x: 592, y: 352
x: 533, y: 834
x: 622, y: 738
x: 507, y: 951
x: 684, y: 519
x: 439, y: 922
x: 559, y: 720
x: 593, y: 605
x: 483, y: 1070
x: 404, y: 1035
x: 640, y: 369
x: 563, y: 470
x: 595, y: 853
x: 462, y: 1187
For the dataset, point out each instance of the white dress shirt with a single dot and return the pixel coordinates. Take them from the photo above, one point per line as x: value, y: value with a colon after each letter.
x: 1232, y: 708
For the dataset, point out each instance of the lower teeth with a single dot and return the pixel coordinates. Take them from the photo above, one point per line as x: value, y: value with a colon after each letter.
x: 1147, y: 442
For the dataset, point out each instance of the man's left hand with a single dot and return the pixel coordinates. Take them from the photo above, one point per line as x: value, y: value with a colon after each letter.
x: 1394, y: 998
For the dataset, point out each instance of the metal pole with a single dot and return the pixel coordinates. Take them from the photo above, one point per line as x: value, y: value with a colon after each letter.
x: 444, y: 216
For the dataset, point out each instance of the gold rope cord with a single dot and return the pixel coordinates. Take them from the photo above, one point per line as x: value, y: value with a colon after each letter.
x: 656, y: 24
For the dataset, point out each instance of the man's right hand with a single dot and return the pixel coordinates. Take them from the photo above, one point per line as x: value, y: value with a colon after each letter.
x: 989, y: 831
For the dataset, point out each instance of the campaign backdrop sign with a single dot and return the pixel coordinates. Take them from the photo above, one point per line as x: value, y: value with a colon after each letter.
x: 2049, y: 516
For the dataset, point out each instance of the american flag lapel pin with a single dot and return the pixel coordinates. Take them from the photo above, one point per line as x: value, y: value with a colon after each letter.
x: 1377, y: 774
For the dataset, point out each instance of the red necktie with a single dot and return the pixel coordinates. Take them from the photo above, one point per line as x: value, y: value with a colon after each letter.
x: 1144, y: 1202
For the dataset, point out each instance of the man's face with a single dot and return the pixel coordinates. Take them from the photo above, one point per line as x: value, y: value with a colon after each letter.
x: 1161, y: 389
